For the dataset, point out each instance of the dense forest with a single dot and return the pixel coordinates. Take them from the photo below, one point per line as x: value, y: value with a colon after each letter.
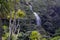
x: 29, y: 20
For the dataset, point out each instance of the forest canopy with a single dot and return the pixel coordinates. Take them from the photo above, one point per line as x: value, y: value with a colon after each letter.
x: 19, y: 19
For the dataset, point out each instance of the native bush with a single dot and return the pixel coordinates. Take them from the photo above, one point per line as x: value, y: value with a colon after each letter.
x: 56, y: 38
x: 35, y: 35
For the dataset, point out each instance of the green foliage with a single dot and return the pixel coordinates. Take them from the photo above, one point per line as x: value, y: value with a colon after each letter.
x: 21, y: 36
x: 5, y: 27
x: 38, y: 6
x: 12, y: 15
x: 44, y: 39
x: 56, y: 38
x: 6, y: 6
x: 14, y: 36
x: 57, y: 32
x: 35, y: 35
x: 19, y: 13
x: 5, y: 36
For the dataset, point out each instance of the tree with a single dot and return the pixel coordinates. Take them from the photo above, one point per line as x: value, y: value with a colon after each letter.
x: 4, y: 9
x: 6, y: 6
x: 19, y: 14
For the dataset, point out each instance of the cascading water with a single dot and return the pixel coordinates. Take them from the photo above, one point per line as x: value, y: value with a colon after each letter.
x: 38, y: 20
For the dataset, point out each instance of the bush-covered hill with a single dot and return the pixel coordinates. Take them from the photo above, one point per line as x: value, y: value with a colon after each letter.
x: 48, y: 11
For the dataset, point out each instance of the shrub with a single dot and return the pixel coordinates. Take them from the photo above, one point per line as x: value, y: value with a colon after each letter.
x: 56, y: 38
x: 19, y: 13
x: 35, y: 35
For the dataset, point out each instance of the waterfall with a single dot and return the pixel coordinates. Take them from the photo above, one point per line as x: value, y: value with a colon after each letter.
x: 31, y: 8
x: 38, y: 19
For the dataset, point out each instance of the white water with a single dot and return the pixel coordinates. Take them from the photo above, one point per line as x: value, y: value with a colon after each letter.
x: 31, y: 7
x: 38, y: 19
